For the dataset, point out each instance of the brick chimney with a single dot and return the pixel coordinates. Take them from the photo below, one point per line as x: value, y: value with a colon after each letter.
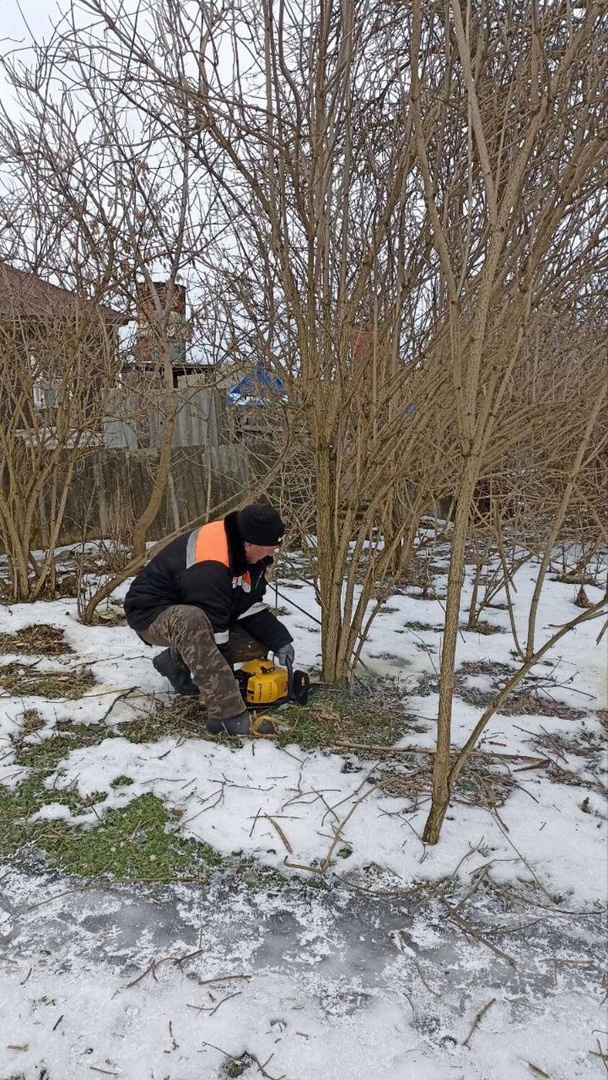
x: 160, y: 304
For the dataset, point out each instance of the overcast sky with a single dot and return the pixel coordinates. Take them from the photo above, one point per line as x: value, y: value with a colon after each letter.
x: 20, y: 22
x: 14, y: 15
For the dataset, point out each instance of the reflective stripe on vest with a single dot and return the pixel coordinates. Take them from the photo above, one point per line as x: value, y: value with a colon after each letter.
x: 254, y: 610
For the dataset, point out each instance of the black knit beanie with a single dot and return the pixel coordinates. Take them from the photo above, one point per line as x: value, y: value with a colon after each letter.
x: 260, y: 524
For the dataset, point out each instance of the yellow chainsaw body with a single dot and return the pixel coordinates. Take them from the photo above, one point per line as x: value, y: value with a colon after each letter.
x: 266, y: 683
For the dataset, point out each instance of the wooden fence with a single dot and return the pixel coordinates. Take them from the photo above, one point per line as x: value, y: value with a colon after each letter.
x: 211, y: 463
x: 135, y: 418
x: 110, y: 489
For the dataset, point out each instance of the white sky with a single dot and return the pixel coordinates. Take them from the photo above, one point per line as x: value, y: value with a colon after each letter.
x: 14, y: 16
x: 22, y: 21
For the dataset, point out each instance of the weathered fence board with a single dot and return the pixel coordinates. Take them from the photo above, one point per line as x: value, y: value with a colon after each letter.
x: 137, y: 420
x: 120, y: 426
x: 111, y: 488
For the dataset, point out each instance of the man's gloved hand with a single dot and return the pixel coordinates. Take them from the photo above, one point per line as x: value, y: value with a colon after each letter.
x: 284, y: 654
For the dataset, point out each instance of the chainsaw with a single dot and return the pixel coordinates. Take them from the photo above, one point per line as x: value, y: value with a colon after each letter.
x: 265, y: 685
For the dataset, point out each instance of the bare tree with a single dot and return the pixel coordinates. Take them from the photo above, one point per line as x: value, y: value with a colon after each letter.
x: 95, y: 199
x: 58, y: 359
x: 305, y: 125
x: 518, y: 215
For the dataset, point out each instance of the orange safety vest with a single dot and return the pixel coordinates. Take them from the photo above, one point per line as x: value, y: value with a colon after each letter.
x: 209, y: 543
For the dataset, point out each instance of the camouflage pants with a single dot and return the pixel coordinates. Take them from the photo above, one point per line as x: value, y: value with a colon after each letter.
x: 186, y: 630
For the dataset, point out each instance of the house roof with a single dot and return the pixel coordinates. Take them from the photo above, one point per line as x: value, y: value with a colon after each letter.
x: 36, y: 298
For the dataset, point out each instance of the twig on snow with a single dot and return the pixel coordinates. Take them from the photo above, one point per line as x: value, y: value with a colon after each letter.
x: 324, y: 866
x: 213, y: 1009
x: 600, y: 1053
x: 346, y: 798
x: 57, y: 896
x: 151, y: 969
x: 280, y: 832
x: 468, y: 929
x: 234, y: 1057
x: 262, y: 1068
x: 380, y: 892
x: 436, y: 993
x: 563, y: 960
x: 477, y: 1020
x: 255, y: 820
x: 537, y: 1071
x: 524, y: 861
x: 222, y: 978
x: 174, y: 1043
x: 119, y: 697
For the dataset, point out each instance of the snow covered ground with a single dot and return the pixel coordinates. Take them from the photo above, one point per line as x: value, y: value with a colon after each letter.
x: 380, y: 974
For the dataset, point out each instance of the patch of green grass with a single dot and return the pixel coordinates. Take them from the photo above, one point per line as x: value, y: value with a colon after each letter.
x: 578, y: 578
x: 524, y: 699
x: 427, y: 683
x: 482, y: 627
x: 121, y: 781
x: 32, y: 722
x: 18, y: 806
x: 485, y: 667
x: 527, y: 701
x: 258, y: 876
x: 361, y: 715
x: 131, y: 842
x: 37, y: 640
x: 24, y: 681
x: 418, y: 626
x: 135, y: 841
x: 44, y: 756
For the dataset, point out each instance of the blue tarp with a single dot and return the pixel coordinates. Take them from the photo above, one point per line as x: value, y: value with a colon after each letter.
x: 255, y: 389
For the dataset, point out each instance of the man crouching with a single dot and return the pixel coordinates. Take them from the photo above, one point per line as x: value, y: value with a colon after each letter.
x: 201, y: 597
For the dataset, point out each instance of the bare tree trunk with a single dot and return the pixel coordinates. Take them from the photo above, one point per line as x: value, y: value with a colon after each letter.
x: 146, y: 519
x: 561, y: 513
x: 329, y: 588
x: 441, y: 763
x: 49, y: 570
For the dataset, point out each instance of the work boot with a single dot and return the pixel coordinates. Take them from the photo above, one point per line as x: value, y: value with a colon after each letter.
x: 234, y: 725
x: 170, y: 664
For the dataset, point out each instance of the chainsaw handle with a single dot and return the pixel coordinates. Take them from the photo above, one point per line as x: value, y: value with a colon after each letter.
x: 298, y: 683
x: 289, y: 666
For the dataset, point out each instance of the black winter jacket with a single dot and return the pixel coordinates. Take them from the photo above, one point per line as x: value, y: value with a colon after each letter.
x: 208, y: 568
